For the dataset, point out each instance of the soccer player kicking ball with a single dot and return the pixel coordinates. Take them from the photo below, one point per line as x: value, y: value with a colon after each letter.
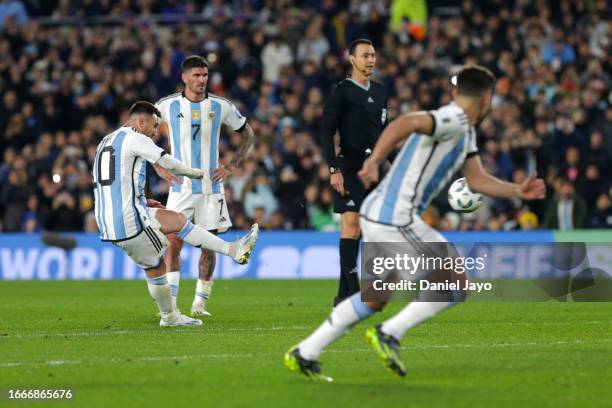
x: 437, y: 144
x: 139, y: 226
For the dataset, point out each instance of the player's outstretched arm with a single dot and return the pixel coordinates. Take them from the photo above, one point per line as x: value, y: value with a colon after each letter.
x: 396, y: 132
x: 170, y: 163
x: 482, y: 182
x: 143, y: 146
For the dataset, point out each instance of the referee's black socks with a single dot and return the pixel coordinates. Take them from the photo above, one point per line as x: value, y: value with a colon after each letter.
x: 349, y: 280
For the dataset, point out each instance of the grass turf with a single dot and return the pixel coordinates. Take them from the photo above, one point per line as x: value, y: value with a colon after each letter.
x: 102, y: 340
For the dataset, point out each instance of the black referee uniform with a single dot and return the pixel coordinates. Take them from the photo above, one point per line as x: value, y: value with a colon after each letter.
x: 359, y: 114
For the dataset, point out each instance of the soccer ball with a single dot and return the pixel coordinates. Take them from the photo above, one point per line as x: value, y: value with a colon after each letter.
x: 461, y: 198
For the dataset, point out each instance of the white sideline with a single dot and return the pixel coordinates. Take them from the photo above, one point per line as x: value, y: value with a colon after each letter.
x: 155, y: 330
x: 246, y: 355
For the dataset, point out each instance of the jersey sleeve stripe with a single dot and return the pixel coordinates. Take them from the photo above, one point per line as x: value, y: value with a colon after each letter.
x: 433, y: 128
x: 214, y: 141
x: 175, y: 124
x: 390, y: 199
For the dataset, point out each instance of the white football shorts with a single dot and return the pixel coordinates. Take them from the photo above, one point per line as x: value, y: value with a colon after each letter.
x: 417, y: 230
x: 147, y: 248
x: 208, y: 211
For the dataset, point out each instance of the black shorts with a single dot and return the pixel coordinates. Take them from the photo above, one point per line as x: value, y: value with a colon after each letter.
x: 355, y: 191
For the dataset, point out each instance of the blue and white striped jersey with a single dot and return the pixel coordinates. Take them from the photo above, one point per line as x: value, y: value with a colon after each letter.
x: 423, y: 167
x: 119, y: 180
x: 193, y: 130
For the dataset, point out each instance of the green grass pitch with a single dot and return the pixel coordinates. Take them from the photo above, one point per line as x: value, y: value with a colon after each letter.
x: 102, y: 339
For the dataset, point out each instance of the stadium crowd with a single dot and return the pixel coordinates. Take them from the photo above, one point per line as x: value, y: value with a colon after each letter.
x: 64, y: 84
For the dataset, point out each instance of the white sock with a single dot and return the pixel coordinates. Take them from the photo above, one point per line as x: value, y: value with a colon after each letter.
x: 199, y: 237
x: 411, y: 315
x: 174, y: 278
x: 344, y: 315
x: 162, y: 294
x: 203, y: 291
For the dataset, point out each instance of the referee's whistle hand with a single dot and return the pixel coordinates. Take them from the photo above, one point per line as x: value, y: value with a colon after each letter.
x: 368, y: 173
x: 337, y: 182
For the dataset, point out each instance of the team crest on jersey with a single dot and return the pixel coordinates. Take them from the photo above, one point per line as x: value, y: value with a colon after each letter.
x: 195, y: 115
x: 211, y: 115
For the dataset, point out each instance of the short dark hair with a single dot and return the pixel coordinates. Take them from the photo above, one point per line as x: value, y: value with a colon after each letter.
x: 144, y: 107
x: 353, y: 45
x: 193, y: 61
x: 475, y: 80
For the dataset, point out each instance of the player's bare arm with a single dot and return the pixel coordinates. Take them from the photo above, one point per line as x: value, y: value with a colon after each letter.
x: 482, y: 182
x: 397, y: 132
x: 248, y: 136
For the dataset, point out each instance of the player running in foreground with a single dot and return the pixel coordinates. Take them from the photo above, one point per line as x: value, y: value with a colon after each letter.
x: 139, y: 226
x: 437, y: 144
x: 192, y: 121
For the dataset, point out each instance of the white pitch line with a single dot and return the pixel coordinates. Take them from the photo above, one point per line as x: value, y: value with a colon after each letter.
x: 249, y: 355
x: 155, y: 331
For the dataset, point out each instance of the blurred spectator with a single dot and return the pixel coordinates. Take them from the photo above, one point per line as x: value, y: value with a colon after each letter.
x: 322, y: 216
x: 528, y: 220
x: 65, y: 213
x: 64, y: 87
x: 314, y: 45
x: 275, y: 56
x: 558, y: 52
x: 567, y: 210
x: 13, y: 11
x: 14, y: 196
x: 90, y: 224
x: 258, y: 197
x: 601, y: 217
x: 32, y: 218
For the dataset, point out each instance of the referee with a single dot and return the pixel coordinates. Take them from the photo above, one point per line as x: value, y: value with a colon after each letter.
x: 356, y: 109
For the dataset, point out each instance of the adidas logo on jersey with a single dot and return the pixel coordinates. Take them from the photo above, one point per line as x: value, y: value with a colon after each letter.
x: 370, y: 100
x: 180, y: 115
x: 351, y: 203
x: 223, y: 219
